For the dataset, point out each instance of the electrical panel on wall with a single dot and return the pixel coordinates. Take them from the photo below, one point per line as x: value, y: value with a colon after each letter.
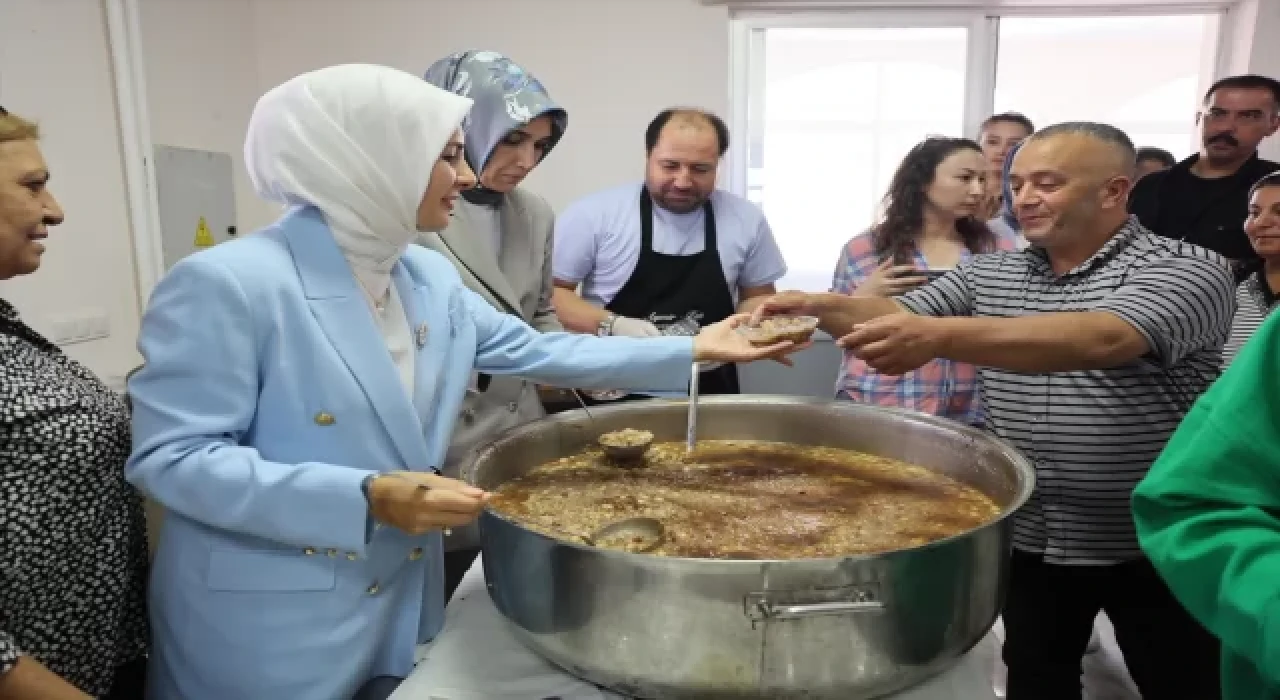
x: 196, y: 195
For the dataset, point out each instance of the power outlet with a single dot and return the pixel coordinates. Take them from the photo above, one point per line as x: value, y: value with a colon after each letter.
x: 99, y: 326
x: 81, y: 327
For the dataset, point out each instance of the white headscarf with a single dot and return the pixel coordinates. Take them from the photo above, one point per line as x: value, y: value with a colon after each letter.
x: 359, y: 143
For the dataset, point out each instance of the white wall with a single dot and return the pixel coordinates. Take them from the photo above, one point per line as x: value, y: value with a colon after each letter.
x: 611, y: 63
x: 202, y: 81
x: 202, y: 85
x: 1252, y: 47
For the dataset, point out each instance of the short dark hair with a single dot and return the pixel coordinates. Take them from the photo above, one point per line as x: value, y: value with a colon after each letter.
x: 1157, y: 154
x: 1106, y: 133
x: 1248, y: 81
x: 1008, y: 118
x: 1268, y: 180
x: 652, y: 133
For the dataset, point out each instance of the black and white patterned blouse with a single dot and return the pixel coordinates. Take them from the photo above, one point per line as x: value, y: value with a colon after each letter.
x: 73, y: 551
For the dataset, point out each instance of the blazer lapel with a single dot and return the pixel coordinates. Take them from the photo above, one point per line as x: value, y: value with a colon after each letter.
x: 343, y: 314
x: 473, y: 259
x: 430, y: 347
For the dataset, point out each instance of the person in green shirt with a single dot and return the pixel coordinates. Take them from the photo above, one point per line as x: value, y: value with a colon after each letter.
x: 1208, y: 516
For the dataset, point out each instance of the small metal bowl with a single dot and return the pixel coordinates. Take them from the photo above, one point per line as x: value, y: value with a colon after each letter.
x: 797, y: 329
x: 625, y: 453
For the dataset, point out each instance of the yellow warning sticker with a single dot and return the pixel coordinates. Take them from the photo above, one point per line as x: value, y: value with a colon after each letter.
x: 204, y: 239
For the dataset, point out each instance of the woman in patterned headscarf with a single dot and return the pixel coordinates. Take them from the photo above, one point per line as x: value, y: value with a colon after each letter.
x: 499, y: 239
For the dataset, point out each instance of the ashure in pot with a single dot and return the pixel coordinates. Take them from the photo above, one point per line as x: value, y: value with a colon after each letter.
x: 669, y: 627
x: 745, y: 499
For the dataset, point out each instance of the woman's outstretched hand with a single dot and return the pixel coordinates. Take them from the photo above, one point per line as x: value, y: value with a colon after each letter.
x: 722, y: 342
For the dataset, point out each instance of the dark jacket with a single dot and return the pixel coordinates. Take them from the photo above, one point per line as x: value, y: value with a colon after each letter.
x: 1166, y: 203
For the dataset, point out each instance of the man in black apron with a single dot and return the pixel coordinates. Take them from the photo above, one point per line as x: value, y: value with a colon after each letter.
x: 616, y: 278
x: 679, y: 294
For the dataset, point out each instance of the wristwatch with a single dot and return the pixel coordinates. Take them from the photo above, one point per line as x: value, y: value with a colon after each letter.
x: 605, y: 327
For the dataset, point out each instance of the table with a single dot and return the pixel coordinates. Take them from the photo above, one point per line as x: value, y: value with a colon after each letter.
x: 475, y: 657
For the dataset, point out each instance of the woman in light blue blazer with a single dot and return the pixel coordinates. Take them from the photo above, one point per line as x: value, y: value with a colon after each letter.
x: 299, y: 389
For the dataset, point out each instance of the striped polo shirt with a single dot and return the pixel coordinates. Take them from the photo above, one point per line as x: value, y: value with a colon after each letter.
x: 1092, y: 434
x: 1254, y: 300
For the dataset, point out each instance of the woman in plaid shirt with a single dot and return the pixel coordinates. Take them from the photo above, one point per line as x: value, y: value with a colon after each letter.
x: 928, y: 228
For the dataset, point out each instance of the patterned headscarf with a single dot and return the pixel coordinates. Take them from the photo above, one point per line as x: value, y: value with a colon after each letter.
x: 506, y: 98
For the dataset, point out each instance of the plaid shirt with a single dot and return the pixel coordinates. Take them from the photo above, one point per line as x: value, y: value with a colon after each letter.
x: 941, y: 387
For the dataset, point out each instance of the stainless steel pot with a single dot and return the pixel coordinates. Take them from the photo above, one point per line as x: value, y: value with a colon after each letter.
x: 658, y: 627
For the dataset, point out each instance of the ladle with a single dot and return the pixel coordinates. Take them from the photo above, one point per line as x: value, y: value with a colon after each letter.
x: 625, y: 454
x: 640, y: 534
x: 691, y: 430
x: 620, y: 454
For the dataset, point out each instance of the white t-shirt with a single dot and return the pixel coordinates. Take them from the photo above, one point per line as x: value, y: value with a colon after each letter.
x: 597, y: 241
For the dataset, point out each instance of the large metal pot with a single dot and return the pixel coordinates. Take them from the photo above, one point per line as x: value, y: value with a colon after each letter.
x: 658, y: 627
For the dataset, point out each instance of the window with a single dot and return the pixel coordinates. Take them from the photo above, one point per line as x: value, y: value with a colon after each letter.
x: 841, y: 108
x: 1049, y: 69
x: 829, y: 108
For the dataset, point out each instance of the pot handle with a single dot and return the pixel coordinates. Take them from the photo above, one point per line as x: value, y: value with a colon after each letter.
x: 764, y: 606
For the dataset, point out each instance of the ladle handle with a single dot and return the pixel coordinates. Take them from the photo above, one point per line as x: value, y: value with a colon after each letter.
x: 582, y: 403
x: 691, y: 436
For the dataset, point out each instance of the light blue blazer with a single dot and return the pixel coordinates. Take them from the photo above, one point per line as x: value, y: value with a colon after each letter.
x: 266, y: 397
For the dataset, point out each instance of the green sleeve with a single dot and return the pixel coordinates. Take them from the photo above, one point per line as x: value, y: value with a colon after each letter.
x: 1207, y: 513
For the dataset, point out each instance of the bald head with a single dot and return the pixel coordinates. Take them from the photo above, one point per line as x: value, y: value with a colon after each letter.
x: 1071, y: 183
x: 690, y: 119
x: 1098, y: 148
x: 687, y: 119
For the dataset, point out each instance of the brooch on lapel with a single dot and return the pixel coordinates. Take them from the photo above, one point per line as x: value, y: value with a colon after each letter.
x: 323, y: 418
x: 420, y: 335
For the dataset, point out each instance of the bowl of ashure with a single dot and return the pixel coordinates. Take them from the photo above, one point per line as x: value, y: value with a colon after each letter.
x: 627, y: 445
x: 804, y: 547
x: 778, y: 329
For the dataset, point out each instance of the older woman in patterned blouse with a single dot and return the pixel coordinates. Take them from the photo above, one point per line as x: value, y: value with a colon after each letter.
x: 72, y: 532
x: 1256, y: 295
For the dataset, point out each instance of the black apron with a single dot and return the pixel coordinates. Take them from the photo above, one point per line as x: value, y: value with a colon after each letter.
x: 684, y: 291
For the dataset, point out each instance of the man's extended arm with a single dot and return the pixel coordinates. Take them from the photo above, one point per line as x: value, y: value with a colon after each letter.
x: 837, y: 314
x: 1169, y: 310
x: 1053, y: 342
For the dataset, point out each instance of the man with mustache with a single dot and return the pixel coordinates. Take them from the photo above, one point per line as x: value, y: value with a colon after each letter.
x: 668, y: 255
x: 1204, y: 199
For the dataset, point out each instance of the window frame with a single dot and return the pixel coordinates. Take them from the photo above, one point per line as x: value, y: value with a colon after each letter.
x: 746, y: 65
